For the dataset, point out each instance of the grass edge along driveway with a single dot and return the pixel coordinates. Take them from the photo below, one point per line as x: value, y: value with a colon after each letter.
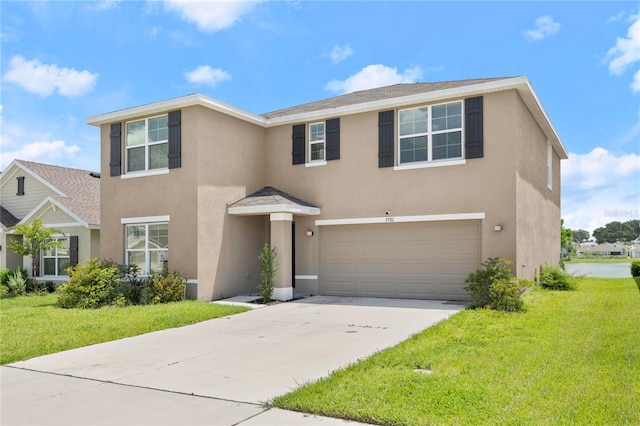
x: 32, y: 326
x: 571, y: 358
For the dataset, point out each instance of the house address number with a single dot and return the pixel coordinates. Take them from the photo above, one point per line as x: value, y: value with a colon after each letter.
x: 389, y: 219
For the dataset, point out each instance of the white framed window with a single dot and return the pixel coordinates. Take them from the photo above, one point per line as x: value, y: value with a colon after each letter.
x: 430, y: 133
x: 147, y: 144
x: 56, y: 260
x: 316, y: 142
x: 147, y: 246
x: 549, y: 166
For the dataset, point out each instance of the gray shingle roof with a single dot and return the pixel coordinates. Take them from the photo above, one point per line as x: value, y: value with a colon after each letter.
x: 378, y: 94
x: 272, y: 197
x: 7, y: 219
x: 82, y: 191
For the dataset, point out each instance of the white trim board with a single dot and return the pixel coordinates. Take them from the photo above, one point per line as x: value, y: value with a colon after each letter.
x: 401, y: 219
x: 144, y: 219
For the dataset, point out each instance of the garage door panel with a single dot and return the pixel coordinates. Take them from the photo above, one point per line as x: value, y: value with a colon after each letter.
x: 424, y: 260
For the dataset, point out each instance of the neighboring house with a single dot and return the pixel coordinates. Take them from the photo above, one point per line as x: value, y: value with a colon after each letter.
x: 634, y: 251
x: 62, y: 198
x: 607, y: 249
x: 398, y: 191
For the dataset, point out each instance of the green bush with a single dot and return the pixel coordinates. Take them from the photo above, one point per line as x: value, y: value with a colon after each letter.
x: 635, y: 268
x: 553, y: 278
x: 268, y: 272
x: 164, y: 287
x: 14, y: 281
x: 493, y: 286
x: 17, y: 283
x: 91, y: 285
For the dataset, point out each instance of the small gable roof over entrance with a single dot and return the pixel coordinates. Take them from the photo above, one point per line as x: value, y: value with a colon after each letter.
x: 8, y: 220
x: 272, y: 200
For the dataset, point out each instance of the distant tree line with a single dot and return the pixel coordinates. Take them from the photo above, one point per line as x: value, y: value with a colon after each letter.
x: 610, y: 233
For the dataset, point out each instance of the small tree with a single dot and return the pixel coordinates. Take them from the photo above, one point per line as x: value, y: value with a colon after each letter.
x: 269, y: 267
x: 35, y: 238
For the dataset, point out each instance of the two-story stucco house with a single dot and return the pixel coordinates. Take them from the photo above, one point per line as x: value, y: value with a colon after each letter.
x: 398, y: 191
x: 60, y: 197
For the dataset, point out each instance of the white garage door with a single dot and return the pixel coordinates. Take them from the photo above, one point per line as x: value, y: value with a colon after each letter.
x: 428, y: 260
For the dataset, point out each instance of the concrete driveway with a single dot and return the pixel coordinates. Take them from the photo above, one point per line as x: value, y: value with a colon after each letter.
x: 219, y: 372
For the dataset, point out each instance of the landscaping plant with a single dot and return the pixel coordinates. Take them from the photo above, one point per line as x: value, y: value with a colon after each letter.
x: 35, y: 238
x: 553, y: 278
x: 635, y: 268
x: 92, y: 285
x: 269, y: 267
x: 493, y: 286
x: 164, y: 287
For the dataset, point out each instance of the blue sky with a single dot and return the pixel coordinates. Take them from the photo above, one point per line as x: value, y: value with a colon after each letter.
x: 64, y: 61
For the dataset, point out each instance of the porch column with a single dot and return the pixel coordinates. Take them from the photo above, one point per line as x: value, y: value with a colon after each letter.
x: 281, y: 239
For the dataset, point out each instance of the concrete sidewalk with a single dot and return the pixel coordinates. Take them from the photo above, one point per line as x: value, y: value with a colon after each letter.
x: 218, y: 372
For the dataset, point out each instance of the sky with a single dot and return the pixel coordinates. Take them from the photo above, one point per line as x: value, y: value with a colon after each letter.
x: 64, y: 61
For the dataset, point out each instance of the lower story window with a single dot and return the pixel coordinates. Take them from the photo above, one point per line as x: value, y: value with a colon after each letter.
x: 148, y: 246
x: 56, y: 260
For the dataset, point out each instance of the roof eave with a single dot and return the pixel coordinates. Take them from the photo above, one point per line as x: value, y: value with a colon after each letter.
x: 275, y: 208
x: 175, y: 103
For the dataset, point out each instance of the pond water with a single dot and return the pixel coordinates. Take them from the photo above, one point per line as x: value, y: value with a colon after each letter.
x: 600, y: 270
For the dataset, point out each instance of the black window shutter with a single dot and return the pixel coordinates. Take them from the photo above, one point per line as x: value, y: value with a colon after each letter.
x: 298, y: 137
x: 20, y: 185
x: 385, y: 138
x: 473, y: 128
x: 333, y: 139
x: 116, y: 149
x: 73, y: 250
x: 175, y: 142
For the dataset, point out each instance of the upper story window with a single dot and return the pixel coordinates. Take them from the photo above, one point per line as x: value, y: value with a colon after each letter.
x: 430, y: 133
x: 147, y: 144
x: 316, y: 142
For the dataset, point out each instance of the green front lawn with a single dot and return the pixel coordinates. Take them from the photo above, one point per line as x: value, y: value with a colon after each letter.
x: 571, y: 358
x: 31, y: 326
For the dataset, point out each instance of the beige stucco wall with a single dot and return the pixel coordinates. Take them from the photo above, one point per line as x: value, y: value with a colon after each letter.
x: 538, y: 207
x: 354, y: 186
x: 222, y: 161
x: 172, y: 194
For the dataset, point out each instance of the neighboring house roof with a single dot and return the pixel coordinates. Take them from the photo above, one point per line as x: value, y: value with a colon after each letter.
x: 356, y: 102
x: 76, y: 190
x: 7, y: 219
x: 606, y: 248
x: 272, y: 200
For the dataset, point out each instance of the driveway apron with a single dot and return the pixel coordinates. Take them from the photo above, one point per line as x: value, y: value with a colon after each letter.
x: 240, y: 361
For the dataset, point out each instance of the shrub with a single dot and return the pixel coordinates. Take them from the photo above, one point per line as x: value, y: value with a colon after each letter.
x: 17, y: 283
x: 91, y: 285
x: 131, y: 287
x: 635, y: 268
x: 493, y: 286
x: 269, y: 267
x: 164, y: 287
x: 553, y: 278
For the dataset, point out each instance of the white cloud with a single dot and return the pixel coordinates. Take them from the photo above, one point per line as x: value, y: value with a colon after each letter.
x: 626, y: 52
x: 105, y: 4
x: 373, y: 76
x: 545, y: 27
x: 340, y: 53
x: 600, y: 187
x: 635, y: 85
x: 211, y: 16
x: 44, y: 80
x: 49, y: 152
x: 207, y: 76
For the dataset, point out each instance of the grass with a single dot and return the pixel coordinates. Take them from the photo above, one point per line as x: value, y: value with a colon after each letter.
x: 571, y: 358
x: 599, y: 260
x: 31, y: 326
